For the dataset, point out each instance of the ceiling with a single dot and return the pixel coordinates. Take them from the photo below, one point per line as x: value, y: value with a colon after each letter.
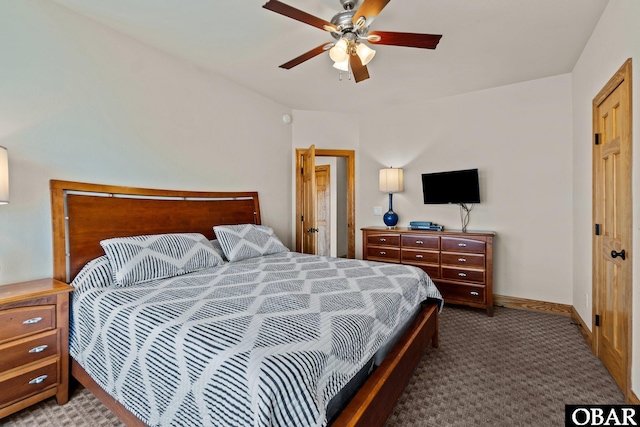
x: 485, y: 43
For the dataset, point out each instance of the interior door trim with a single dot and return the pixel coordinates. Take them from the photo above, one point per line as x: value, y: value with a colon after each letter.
x: 350, y: 156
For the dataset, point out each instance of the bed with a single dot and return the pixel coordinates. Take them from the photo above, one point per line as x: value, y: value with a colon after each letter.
x: 83, y: 215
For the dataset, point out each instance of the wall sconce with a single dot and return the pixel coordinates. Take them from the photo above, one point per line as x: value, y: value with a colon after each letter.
x: 391, y: 181
x: 4, y: 176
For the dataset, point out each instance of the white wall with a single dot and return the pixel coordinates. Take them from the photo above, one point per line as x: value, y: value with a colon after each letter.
x: 81, y: 102
x: 519, y: 137
x: 615, y: 39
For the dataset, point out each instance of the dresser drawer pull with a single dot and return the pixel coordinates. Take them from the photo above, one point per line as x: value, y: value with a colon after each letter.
x: 419, y: 242
x: 474, y: 293
x: 39, y: 349
x: 462, y: 274
x: 383, y: 253
x: 462, y: 260
x: 419, y: 256
x: 462, y: 245
x: 32, y: 321
x: 38, y: 380
x: 383, y: 240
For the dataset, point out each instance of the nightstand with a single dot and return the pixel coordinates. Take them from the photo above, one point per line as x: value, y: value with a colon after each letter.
x: 34, y: 343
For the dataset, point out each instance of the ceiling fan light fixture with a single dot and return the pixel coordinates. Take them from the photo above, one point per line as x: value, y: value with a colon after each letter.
x: 338, y: 52
x: 342, y: 65
x: 365, y: 53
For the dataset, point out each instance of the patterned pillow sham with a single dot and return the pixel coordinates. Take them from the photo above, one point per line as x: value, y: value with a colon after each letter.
x: 139, y: 259
x: 218, y: 248
x: 245, y: 241
x: 95, y: 274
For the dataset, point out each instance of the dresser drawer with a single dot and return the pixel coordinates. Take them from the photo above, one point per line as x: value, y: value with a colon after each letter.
x: 383, y: 254
x: 419, y: 241
x: 383, y: 239
x: 19, y: 322
x: 463, y: 293
x: 413, y: 256
x: 459, y: 244
x: 463, y: 274
x: 27, y: 350
x: 432, y: 270
x: 39, y: 378
x: 463, y: 259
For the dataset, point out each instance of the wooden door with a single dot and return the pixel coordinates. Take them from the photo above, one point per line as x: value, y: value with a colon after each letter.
x: 323, y: 211
x: 309, y: 201
x: 612, y: 206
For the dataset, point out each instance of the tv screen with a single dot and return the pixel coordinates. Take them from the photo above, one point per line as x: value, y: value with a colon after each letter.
x: 451, y: 187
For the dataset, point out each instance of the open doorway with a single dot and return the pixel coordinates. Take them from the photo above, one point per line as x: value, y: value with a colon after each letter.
x: 340, y: 208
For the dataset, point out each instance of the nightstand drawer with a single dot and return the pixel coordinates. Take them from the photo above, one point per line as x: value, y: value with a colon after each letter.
x: 459, y: 244
x: 27, y: 350
x: 383, y: 254
x: 19, y: 322
x: 418, y: 241
x: 463, y: 274
x: 383, y: 239
x: 463, y: 260
x: 39, y: 378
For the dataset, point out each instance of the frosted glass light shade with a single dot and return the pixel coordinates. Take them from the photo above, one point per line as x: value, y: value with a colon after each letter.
x: 365, y: 53
x: 338, y: 52
x: 342, y: 66
x: 4, y: 176
x: 391, y: 180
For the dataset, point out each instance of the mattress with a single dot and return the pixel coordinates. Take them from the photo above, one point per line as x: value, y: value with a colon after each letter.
x: 267, y: 341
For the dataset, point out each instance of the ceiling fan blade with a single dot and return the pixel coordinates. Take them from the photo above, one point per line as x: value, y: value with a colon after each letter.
x: 423, y: 41
x: 299, y: 15
x: 359, y: 71
x: 306, y: 56
x: 368, y: 10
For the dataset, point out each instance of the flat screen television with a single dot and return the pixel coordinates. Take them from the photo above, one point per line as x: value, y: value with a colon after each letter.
x: 458, y: 187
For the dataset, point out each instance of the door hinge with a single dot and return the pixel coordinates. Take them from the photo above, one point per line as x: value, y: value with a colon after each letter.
x: 301, y: 217
x: 596, y: 139
x: 597, y: 320
x: 301, y: 171
x: 597, y: 229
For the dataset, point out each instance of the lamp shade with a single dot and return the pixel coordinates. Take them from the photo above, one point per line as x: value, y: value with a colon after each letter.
x: 338, y: 52
x: 365, y: 53
x: 391, y: 180
x: 4, y: 176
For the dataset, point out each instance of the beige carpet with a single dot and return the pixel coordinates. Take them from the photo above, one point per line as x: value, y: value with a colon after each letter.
x: 518, y: 368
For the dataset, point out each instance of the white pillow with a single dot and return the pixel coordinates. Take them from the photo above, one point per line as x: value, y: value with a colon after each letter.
x: 245, y: 241
x: 139, y: 259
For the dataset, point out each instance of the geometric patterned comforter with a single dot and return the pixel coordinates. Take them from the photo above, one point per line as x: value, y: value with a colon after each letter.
x: 266, y: 341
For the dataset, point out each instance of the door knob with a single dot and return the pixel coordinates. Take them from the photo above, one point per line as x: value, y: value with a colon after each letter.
x: 312, y: 230
x: 620, y: 254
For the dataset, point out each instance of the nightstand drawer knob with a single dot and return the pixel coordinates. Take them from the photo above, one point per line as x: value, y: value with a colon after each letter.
x: 383, y: 253
x: 38, y: 380
x: 383, y: 240
x: 32, y: 321
x: 462, y: 260
x: 462, y: 245
x: 39, y: 349
x: 474, y: 293
x: 419, y: 256
x: 419, y: 242
x: 462, y: 274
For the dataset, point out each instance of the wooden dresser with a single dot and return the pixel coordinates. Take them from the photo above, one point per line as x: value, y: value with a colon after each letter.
x: 34, y: 343
x: 460, y: 264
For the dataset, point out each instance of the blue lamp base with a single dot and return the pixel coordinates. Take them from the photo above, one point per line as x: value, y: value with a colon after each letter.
x: 390, y: 218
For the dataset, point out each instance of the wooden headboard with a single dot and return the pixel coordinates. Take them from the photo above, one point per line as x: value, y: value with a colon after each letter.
x: 84, y: 214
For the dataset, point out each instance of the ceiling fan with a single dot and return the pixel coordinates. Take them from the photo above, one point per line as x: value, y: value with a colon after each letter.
x: 351, y: 29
